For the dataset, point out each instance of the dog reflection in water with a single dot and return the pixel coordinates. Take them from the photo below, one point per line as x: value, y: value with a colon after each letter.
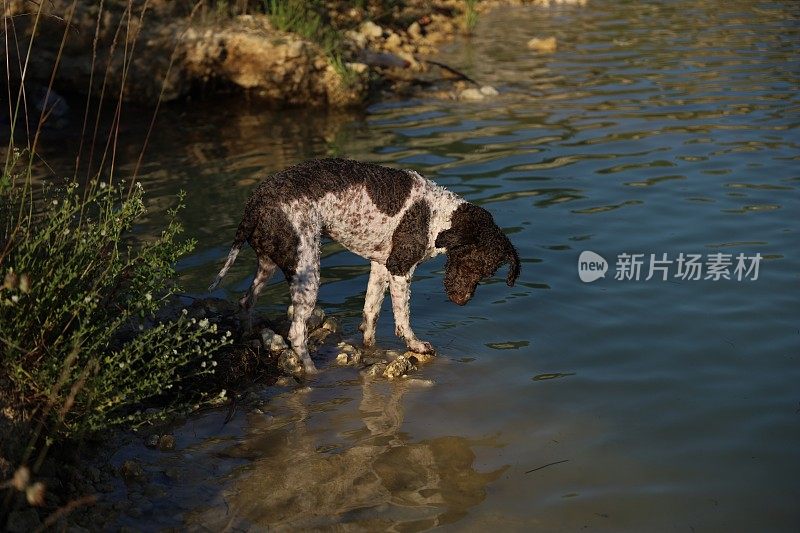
x: 381, y: 480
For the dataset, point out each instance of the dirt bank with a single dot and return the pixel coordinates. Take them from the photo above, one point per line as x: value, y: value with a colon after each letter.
x: 146, y: 50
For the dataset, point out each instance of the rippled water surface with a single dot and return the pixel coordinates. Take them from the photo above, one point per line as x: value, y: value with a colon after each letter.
x: 657, y: 127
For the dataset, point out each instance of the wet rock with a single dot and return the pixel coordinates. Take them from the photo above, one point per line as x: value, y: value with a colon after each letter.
x: 318, y: 336
x: 543, y: 45
x: 166, y: 443
x: 23, y: 520
x: 471, y: 94
x: 398, y: 368
x: 285, y: 381
x: 419, y: 358
x: 331, y: 324
x: 348, y: 359
x: 488, y: 90
x: 152, y: 440
x: 271, y: 341
x: 347, y: 348
x: 131, y: 471
x: 289, y: 363
x: 375, y: 370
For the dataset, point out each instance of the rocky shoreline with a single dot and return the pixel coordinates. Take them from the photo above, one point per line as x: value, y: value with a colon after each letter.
x: 163, y: 50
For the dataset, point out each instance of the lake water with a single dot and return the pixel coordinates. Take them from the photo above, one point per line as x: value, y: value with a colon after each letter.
x: 655, y: 128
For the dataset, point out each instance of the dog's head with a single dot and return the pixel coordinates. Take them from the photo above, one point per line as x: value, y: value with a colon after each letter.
x: 476, y: 247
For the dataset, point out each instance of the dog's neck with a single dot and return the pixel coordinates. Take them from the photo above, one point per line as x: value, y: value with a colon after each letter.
x: 442, y: 204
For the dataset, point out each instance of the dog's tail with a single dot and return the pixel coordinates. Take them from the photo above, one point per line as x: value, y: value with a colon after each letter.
x: 243, y: 232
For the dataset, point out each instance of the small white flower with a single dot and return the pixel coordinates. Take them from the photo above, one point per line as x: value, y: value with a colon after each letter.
x: 102, y: 184
x: 148, y: 297
x: 121, y: 364
x: 103, y: 233
x: 223, y: 393
x: 15, y: 298
x: 213, y: 363
x: 55, y: 202
x: 141, y: 327
x: 66, y: 231
x: 203, y: 323
x: 203, y: 364
x: 228, y: 333
x: 87, y: 299
x: 184, y: 311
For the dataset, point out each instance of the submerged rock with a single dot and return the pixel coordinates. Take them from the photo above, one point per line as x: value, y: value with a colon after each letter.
x: 398, y: 368
x: 272, y: 341
x: 131, y: 471
x: 544, y: 45
x: 166, y: 443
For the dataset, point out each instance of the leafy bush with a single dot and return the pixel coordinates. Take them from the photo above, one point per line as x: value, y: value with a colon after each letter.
x: 80, y: 347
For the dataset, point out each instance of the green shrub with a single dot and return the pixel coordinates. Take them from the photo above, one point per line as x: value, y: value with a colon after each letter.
x: 80, y: 347
x: 470, y: 15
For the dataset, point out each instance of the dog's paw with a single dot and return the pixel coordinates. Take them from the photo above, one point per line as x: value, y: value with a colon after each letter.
x: 422, y: 347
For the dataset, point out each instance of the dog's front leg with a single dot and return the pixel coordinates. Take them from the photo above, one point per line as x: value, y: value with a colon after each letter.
x: 400, y: 288
x: 376, y: 289
x: 303, y: 290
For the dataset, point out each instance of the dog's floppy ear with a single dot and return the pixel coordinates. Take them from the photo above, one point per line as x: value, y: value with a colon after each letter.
x: 514, y: 266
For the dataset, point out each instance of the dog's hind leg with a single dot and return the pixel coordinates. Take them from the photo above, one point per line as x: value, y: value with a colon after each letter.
x: 266, y: 267
x: 376, y: 289
x: 303, y: 289
x: 400, y: 288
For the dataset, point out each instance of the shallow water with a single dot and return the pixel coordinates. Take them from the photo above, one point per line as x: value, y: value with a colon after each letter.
x: 669, y: 405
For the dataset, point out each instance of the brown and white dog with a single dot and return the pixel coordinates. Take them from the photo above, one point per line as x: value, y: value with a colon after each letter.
x: 395, y: 218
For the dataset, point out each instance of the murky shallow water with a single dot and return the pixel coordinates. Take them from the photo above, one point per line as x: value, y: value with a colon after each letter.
x: 655, y: 128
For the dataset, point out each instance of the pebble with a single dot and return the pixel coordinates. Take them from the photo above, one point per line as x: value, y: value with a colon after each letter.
x: 331, y: 324
x: 272, y: 341
x: 471, y: 94
x: 371, y: 30
x: 152, y: 440
x: 543, y: 44
x: 488, y: 90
